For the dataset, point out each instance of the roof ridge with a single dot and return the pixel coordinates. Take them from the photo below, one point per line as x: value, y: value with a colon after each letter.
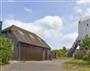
x: 20, y: 28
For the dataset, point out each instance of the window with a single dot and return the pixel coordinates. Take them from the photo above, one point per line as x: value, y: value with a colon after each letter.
x: 79, y: 22
x: 87, y: 25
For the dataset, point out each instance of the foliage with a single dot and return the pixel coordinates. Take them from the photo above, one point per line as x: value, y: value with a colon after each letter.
x: 64, y: 49
x: 79, y: 54
x: 77, y: 65
x: 84, y: 51
x: 5, y: 49
x: 87, y: 56
x: 59, y: 52
x: 86, y: 43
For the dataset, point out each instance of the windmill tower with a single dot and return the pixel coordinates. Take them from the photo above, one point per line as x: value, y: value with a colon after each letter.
x: 84, y: 27
x: 83, y: 30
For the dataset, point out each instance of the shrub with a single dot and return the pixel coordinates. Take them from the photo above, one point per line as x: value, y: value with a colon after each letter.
x: 79, y: 54
x: 85, y: 43
x: 59, y: 52
x: 87, y: 56
x: 5, y: 49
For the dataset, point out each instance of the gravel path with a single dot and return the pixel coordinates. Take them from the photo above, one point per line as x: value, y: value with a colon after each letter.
x: 54, y: 65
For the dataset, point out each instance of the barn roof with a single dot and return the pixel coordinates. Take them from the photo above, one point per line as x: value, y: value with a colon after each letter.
x: 26, y: 36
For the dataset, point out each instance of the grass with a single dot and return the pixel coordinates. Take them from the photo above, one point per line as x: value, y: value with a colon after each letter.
x: 64, y: 58
x: 77, y: 65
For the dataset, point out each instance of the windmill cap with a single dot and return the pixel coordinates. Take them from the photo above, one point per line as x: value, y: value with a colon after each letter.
x: 85, y: 18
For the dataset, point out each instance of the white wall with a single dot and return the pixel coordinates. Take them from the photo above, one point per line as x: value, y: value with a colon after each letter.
x: 83, y: 28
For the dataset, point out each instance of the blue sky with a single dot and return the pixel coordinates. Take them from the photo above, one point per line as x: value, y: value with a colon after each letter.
x: 55, y: 21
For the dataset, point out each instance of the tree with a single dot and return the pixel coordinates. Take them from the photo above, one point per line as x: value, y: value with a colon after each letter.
x: 64, y: 49
x: 59, y: 52
x: 5, y: 49
x: 85, y: 43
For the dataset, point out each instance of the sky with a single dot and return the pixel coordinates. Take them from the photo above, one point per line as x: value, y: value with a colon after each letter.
x: 55, y: 21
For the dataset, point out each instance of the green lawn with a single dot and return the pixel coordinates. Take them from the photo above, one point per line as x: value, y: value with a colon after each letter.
x: 77, y: 65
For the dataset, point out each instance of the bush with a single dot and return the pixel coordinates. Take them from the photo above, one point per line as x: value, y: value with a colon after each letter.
x: 79, y: 54
x: 5, y: 49
x: 59, y: 52
x: 87, y: 56
x: 85, y: 43
x: 85, y: 53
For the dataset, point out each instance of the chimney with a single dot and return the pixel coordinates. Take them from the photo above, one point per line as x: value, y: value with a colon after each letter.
x: 0, y: 25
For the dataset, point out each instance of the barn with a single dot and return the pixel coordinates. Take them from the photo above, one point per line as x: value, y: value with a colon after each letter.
x: 28, y: 46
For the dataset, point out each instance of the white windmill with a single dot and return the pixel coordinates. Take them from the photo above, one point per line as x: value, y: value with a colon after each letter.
x: 83, y: 30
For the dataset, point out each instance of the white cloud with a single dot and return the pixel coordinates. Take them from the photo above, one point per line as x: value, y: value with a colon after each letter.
x: 28, y: 10
x: 88, y: 11
x: 82, y: 8
x: 81, y: 11
x: 50, y: 22
x: 79, y: 2
x: 47, y: 27
x: 70, y: 37
x: 51, y: 25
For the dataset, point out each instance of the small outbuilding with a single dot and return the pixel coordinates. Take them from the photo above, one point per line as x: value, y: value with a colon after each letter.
x: 28, y: 46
